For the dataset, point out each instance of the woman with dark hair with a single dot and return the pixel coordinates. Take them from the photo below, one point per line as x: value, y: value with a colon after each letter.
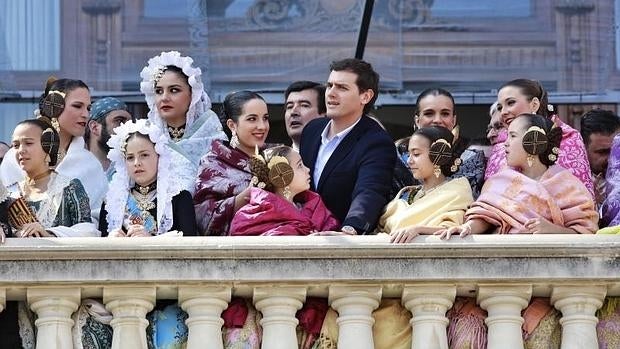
x: 435, y: 107
x: 223, y: 184
x: 437, y: 203
x: 179, y: 105
x: 65, y: 105
x: 47, y: 203
x: 525, y: 96
x: 541, y: 198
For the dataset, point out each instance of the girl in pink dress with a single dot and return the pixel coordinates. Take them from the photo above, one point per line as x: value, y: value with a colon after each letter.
x: 521, y: 96
x: 284, y: 205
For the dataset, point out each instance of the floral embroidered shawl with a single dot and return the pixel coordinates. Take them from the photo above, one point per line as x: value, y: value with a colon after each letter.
x: 443, y: 207
x: 573, y: 156
x: 611, y: 206
x: 224, y: 172
x: 271, y: 214
x: 509, y: 199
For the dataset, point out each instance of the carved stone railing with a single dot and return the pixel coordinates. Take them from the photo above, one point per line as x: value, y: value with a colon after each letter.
x: 278, y: 273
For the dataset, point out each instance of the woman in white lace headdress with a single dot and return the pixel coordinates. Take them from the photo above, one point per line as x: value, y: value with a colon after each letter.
x: 178, y: 104
x: 146, y: 195
x: 146, y: 198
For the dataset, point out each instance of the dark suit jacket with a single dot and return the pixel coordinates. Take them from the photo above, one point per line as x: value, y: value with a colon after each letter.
x: 355, y: 183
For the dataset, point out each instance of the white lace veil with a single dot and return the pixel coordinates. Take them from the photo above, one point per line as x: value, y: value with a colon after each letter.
x: 121, y: 184
x: 200, y: 103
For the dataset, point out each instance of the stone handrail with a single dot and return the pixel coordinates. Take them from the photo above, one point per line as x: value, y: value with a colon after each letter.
x: 354, y: 272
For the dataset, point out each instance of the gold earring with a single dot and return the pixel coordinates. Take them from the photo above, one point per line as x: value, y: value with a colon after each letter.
x: 530, y: 160
x: 436, y: 171
x: 56, y: 125
x: 287, y: 192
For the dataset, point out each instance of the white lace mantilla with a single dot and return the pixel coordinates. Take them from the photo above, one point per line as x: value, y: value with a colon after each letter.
x: 200, y: 100
x: 169, y: 178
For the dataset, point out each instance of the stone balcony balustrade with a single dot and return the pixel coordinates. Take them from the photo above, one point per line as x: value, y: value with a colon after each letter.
x: 278, y: 273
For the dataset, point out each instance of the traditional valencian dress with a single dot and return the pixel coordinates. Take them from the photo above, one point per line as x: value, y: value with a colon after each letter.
x: 163, y: 208
x: 508, y: 200
x: 572, y: 157
x: 64, y: 210
x: 78, y: 163
x: 442, y: 207
x: 202, y: 125
x: 472, y: 167
x: 270, y: 214
x: 224, y: 173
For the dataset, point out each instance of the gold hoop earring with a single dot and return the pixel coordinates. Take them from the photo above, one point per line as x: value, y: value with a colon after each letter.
x: 436, y: 171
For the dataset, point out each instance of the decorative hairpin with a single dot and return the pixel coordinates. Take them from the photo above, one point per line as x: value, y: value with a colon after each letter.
x: 159, y: 73
x: 535, y: 140
x: 440, y: 152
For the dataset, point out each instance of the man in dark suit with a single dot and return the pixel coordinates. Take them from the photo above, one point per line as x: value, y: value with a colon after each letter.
x: 351, y: 158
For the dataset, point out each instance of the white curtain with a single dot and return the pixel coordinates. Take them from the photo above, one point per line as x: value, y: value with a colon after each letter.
x: 32, y: 34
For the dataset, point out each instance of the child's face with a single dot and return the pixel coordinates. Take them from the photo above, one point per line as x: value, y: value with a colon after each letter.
x: 301, y: 179
x: 141, y: 160
x: 419, y: 162
x: 28, y: 150
x: 515, y: 154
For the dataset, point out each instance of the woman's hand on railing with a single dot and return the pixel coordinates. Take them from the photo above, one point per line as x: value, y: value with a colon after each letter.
x: 33, y: 230
x: 404, y: 235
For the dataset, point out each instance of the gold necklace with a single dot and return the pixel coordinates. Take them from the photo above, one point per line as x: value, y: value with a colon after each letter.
x: 145, y: 189
x: 143, y: 201
x: 176, y: 133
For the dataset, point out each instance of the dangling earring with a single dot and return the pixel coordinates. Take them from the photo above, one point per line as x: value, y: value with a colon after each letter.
x: 287, y: 193
x: 48, y: 159
x: 530, y: 160
x: 436, y: 171
x: 56, y: 125
x: 234, y: 140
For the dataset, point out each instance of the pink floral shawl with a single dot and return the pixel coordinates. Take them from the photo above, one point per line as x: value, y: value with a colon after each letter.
x: 509, y: 199
x: 224, y: 172
x: 573, y: 156
x: 270, y: 214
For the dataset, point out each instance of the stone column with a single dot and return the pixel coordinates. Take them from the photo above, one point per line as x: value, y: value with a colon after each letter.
x: 354, y: 305
x: 54, y: 307
x: 578, y: 305
x: 204, y: 305
x: 129, y: 306
x: 428, y: 305
x: 278, y: 306
x: 504, y: 304
x: 2, y: 299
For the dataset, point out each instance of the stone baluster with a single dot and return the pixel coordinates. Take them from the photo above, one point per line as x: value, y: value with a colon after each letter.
x: 54, y: 307
x: 428, y: 305
x: 354, y: 305
x: 204, y: 305
x: 278, y: 306
x: 504, y: 304
x: 578, y: 305
x: 129, y: 305
x: 2, y: 299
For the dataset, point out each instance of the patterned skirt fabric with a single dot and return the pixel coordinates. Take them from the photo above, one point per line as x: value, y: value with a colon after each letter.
x: 391, y: 330
x: 247, y: 337
x: 167, y: 329
x: 608, y: 328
